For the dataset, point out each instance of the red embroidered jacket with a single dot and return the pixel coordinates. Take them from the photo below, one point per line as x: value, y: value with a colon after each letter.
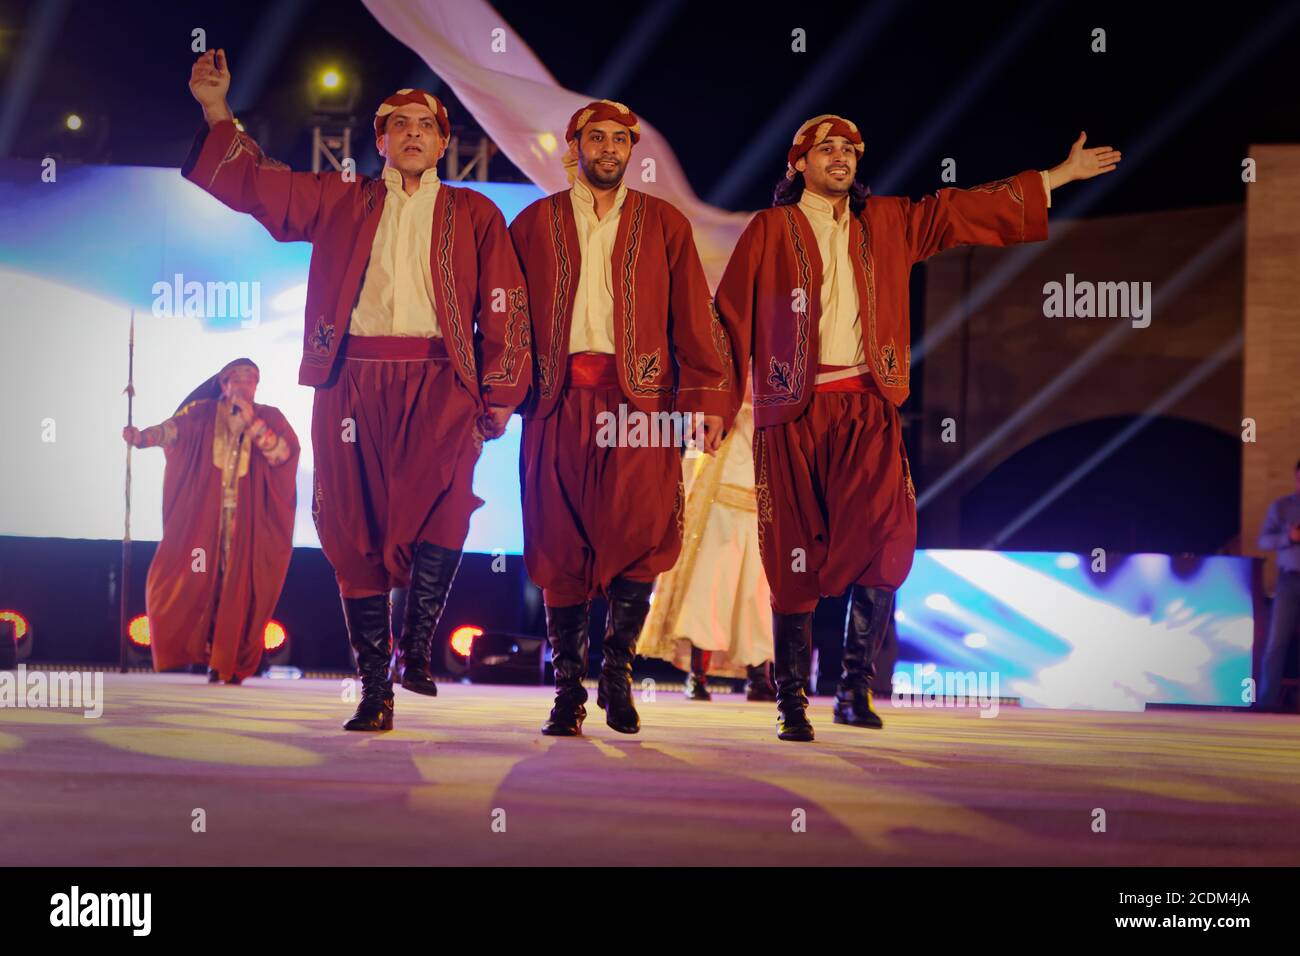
x: 478, y: 289
x: 775, y: 268
x: 673, y: 354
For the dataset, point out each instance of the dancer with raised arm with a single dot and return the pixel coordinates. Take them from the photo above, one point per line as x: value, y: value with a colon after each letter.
x: 416, y: 340
x: 818, y: 284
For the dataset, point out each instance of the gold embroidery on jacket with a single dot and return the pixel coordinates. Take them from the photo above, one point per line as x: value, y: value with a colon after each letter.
x: 884, y: 359
x: 647, y: 369
x: 784, y: 375
x: 641, y: 370
x: 1012, y: 185
x: 722, y: 343
x: 762, y: 490
x: 446, y: 243
x: 907, y: 473
x: 778, y: 374
x: 322, y: 336
x: 516, y: 340
x: 371, y: 195
x: 548, y: 364
x: 243, y: 143
x: 316, y: 500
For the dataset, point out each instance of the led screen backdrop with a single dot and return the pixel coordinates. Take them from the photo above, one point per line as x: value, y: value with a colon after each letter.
x: 1150, y: 628
x: 75, y: 255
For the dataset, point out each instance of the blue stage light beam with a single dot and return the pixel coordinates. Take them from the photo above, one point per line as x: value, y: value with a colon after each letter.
x: 1221, y: 245
x: 1157, y: 408
x: 42, y: 30
x: 1265, y: 33
x: 775, y: 135
x: 263, y: 55
x: 957, y: 100
x: 634, y: 48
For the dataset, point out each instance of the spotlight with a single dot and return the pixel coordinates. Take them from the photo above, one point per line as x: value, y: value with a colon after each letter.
x: 73, y: 122
x: 462, y: 639
x: 455, y: 653
x: 139, y: 642
x: 275, y: 636
x: 22, y: 633
x: 333, y: 101
x: 275, y: 640
x: 330, y: 93
x: 138, y: 632
x: 11, y: 625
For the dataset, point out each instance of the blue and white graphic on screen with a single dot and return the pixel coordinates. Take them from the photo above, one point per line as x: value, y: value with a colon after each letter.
x: 75, y: 256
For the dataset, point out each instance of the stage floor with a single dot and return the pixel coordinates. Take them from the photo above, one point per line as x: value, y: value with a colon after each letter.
x: 467, y: 779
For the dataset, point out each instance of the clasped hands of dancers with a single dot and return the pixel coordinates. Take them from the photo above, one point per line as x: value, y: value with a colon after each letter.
x: 429, y: 323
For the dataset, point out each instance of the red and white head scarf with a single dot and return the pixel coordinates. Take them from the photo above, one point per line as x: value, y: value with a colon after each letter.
x: 596, y: 112
x: 419, y: 97
x: 815, y: 131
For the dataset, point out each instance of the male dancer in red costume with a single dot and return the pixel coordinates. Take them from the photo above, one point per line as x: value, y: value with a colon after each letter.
x: 416, y: 342
x: 818, y: 284
x: 621, y: 317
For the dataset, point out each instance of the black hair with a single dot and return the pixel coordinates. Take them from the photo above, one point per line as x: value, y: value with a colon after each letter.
x: 788, y: 191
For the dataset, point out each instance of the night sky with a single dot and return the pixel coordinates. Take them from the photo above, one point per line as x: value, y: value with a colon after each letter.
x: 998, y: 86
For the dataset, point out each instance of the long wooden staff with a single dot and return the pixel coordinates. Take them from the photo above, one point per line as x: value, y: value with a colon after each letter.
x: 125, y: 583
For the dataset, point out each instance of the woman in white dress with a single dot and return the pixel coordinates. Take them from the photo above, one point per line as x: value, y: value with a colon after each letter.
x: 711, y: 614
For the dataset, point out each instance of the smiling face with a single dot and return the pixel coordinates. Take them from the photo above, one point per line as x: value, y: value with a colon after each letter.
x: 411, y: 142
x: 241, y: 383
x: 829, y: 167
x: 603, y: 151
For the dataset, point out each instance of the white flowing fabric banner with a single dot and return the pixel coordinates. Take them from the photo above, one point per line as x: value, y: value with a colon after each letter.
x: 521, y: 107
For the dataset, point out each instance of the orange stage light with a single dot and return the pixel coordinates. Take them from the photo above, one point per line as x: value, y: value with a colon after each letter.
x: 138, y: 631
x: 21, y: 627
x: 463, y: 638
x: 275, y: 635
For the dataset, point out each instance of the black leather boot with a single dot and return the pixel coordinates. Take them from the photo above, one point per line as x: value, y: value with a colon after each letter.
x: 629, y: 603
x: 372, y: 642
x: 864, y: 634
x: 432, y: 571
x: 566, y: 631
x: 758, y: 683
x: 697, y: 681
x: 792, y: 664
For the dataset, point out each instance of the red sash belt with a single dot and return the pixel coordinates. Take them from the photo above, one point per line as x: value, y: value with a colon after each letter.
x: 393, y: 348
x: 592, y: 370
x: 857, y: 383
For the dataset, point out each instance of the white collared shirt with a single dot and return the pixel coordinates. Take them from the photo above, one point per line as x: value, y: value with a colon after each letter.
x: 397, y: 291
x: 592, y: 328
x: 839, y: 330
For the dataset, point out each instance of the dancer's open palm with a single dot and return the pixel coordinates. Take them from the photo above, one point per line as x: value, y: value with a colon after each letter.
x: 1087, y: 163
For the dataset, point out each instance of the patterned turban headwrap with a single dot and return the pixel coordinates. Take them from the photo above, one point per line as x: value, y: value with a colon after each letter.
x: 596, y: 112
x: 419, y: 97
x: 815, y: 131
x: 211, y: 388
